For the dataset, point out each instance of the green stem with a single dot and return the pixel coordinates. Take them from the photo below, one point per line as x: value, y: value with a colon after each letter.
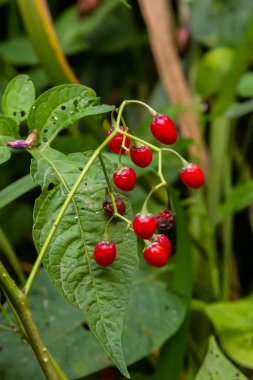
x: 135, y: 138
x: 152, y: 191
x: 228, y: 235
x: 183, y: 161
x: 11, y: 256
x: 19, y: 301
x: 112, y: 196
x: 63, y: 209
x: 151, y: 110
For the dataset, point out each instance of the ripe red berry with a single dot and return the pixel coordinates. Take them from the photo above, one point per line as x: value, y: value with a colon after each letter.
x: 144, y: 225
x: 125, y: 179
x: 108, y: 206
x: 141, y: 156
x: 156, y: 255
x: 164, y: 241
x: 163, y: 129
x: 116, y: 143
x: 192, y: 176
x: 165, y: 220
x: 105, y: 253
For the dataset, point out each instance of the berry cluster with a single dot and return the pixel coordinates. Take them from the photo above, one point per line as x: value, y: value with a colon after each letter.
x: 158, y: 246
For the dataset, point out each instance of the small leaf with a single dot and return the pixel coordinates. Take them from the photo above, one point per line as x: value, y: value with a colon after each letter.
x: 8, y: 132
x: 245, y: 85
x: 233, y: 323
x: 239, y: 198
x: 101, y: 293
x: 239, y: 109
x: 18, y: 97
x: 60, y: 107
x: 217, y: 367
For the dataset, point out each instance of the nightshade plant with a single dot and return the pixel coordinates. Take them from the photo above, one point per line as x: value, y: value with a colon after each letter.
x: 73, y: 231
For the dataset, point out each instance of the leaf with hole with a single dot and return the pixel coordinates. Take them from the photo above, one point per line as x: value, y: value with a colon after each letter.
x: 8, y: 132
x: 217, y: 367
x: 101, y: 293
x: 18, y: 97
x: 233, y: 323
x: 60, y: 107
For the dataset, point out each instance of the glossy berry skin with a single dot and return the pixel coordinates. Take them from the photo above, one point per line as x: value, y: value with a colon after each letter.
x: 156, y: 255
x: 144, y: 225
x: 105, y: 253
x: 141, y: 156
x: 164, y: 241
x: 165, y: 220
x: 192, y: 176
x: 164, y: 129
x: 125, y: 179
x: 108, y: 206
x: 116, y: 143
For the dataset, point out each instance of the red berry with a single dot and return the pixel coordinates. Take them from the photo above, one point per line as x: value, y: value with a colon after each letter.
x: 141, y: 156
x: 144, y: 225
x: 108, y: 206
x: 165, y: 220
x: 105, y: 253
x: 163, y: 129
x: 192, y: 176
x: 164, y: 241
x: 156, y: 255
x: 116, y: 143
x: 125, y: 179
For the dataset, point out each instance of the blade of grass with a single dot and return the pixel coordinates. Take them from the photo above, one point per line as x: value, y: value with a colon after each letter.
x: 16, y: 189
x: 39, y: 26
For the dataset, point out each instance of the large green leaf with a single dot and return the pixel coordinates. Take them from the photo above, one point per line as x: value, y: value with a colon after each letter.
x: 8, y: 132
x: 18, y: 97
x: 102, y: 293
x: 219, y: 23
x: 150, y: 320
x: 233, y: 324
x: 217, y: 367
x: 60, y: 107
x: 18, y: 51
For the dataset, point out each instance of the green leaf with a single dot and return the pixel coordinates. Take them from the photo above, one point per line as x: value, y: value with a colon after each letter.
x: 219, y: 23
x: 60, y: 107
x: 73, y: 346
x: 239, y: 109
x: 239, y: 198
x: 245, y: 85
x: 18, y: 51
x: 154, y: 315
x: 102, y: 293
x: 8, y: 132
x: 211, y: 70
x: 16, y: 189
x: 233, y: 324
x: 217, y: 367
x: 18, y: 97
